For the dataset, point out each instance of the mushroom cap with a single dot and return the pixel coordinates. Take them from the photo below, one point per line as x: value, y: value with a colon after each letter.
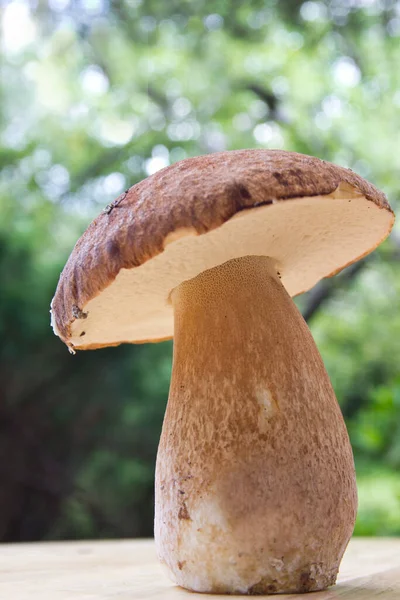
x: 312, y: 217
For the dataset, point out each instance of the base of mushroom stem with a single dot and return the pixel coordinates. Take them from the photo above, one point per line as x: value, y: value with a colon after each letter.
x: 311, y: 578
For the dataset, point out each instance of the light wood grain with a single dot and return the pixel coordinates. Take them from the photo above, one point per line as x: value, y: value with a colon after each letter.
x: 128, y: 570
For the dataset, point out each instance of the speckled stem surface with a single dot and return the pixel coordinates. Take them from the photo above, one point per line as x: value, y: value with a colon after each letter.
x: 255, y: 482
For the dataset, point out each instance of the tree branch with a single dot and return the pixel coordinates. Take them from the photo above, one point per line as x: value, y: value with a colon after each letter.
x: 326, y: 288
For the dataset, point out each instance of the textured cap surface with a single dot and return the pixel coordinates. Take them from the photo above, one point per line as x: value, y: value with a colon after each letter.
x: 164, y: 214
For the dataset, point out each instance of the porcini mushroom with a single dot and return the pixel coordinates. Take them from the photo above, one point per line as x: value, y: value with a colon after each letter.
x: 255, y: 483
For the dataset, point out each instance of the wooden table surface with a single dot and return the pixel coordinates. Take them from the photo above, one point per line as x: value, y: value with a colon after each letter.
x: 128, y: 570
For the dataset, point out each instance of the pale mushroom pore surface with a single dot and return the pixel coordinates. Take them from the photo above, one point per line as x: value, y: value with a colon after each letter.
x: 255, y: 482
x: 309, y: 238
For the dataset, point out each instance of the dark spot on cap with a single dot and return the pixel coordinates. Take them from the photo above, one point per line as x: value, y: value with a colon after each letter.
x: 77, y: 313
x: 243, y: 191
x: 113, y: 249
x: 296, y: 173
x: 238, y: 195
x: 280, y: 177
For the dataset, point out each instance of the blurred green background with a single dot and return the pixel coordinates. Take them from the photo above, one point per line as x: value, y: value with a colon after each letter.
x: 96, y: 95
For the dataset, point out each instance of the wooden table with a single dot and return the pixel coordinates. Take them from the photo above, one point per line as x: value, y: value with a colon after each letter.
x: 128, y: 570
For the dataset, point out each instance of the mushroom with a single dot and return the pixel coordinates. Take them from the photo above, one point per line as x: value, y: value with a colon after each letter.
x: 255, y: 482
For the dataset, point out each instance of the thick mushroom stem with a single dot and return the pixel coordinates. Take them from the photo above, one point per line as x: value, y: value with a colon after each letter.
x: 255, y: 482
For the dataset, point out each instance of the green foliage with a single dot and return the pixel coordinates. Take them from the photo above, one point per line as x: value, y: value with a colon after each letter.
x: 94, y: 97
x: 379, y: 500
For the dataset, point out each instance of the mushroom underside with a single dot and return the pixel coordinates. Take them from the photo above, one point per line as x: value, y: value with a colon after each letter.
x: 309, y: 238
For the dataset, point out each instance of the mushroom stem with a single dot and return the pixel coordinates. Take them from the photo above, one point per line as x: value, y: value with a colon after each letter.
x: 255, y: 482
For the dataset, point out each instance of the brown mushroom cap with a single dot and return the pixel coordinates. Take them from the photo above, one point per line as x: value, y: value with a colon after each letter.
x: 312, y: 217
